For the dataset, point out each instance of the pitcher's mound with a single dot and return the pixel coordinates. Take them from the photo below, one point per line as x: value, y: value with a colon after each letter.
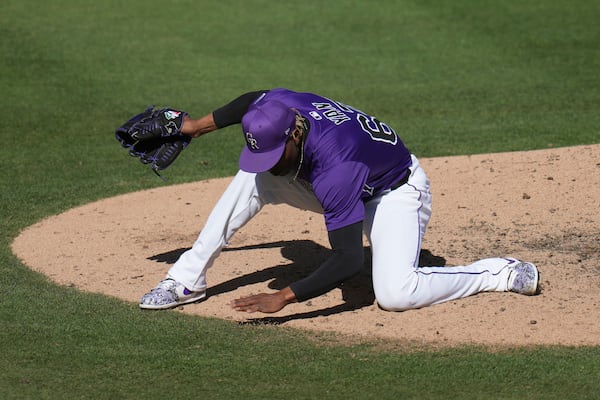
x: 539, y: 206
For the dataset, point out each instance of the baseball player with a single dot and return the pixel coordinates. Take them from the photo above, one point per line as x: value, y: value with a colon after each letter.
x: 322, y: 155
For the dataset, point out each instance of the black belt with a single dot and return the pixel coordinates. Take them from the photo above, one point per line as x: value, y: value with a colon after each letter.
x: 402, y: 181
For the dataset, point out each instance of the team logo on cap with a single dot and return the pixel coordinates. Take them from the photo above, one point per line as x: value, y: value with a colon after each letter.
x: 252, y: 143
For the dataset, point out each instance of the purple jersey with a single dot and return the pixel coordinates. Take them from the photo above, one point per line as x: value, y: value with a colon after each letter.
x: 349, y: 156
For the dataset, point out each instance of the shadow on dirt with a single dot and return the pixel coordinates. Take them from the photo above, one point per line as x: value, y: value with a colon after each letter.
x: 305, y: 256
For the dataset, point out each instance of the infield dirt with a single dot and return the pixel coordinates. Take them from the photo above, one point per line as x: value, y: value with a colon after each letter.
x: 540, y: 206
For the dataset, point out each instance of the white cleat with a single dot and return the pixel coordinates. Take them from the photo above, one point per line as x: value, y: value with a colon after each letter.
x: 524, y: 278
x: 168, y: 294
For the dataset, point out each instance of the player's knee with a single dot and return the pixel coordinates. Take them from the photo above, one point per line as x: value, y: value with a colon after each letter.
x: 396, y: 298
x: 395, y: 303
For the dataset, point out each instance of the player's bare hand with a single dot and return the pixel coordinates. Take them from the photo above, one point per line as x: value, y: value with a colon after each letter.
x: 263, y: 302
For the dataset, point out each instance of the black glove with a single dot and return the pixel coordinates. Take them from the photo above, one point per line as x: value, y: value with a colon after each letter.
x: 154, y: 136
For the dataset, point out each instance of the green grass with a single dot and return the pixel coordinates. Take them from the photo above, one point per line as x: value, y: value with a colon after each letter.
x: 457, y: 77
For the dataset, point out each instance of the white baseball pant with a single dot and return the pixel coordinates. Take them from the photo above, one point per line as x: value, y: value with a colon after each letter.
x: 395, y: 222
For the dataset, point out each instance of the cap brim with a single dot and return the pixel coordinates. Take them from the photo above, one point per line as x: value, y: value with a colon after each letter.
x: 260, y: 162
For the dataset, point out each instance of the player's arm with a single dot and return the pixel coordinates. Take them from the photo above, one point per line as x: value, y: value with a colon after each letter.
x: 230, y: 114
x: 346, y: 261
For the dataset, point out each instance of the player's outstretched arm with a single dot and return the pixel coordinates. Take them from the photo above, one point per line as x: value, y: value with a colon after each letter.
x: 229, y: 114
x: 345, y: 262
x: 198, y: 127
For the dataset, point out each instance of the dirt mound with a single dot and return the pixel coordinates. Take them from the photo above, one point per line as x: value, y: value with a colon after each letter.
x: 540, y: 206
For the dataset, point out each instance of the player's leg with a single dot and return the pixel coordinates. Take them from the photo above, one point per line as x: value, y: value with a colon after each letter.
x: 236, y: 206
x: 243, y: 199
x: 186, y: 279
x: 395, y: 225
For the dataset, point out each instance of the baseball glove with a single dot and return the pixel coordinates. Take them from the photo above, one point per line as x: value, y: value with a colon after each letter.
x: 154, y: 136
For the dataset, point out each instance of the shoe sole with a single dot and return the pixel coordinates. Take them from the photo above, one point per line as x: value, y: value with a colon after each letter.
x: 538, y: 288
x: 172, y: 305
